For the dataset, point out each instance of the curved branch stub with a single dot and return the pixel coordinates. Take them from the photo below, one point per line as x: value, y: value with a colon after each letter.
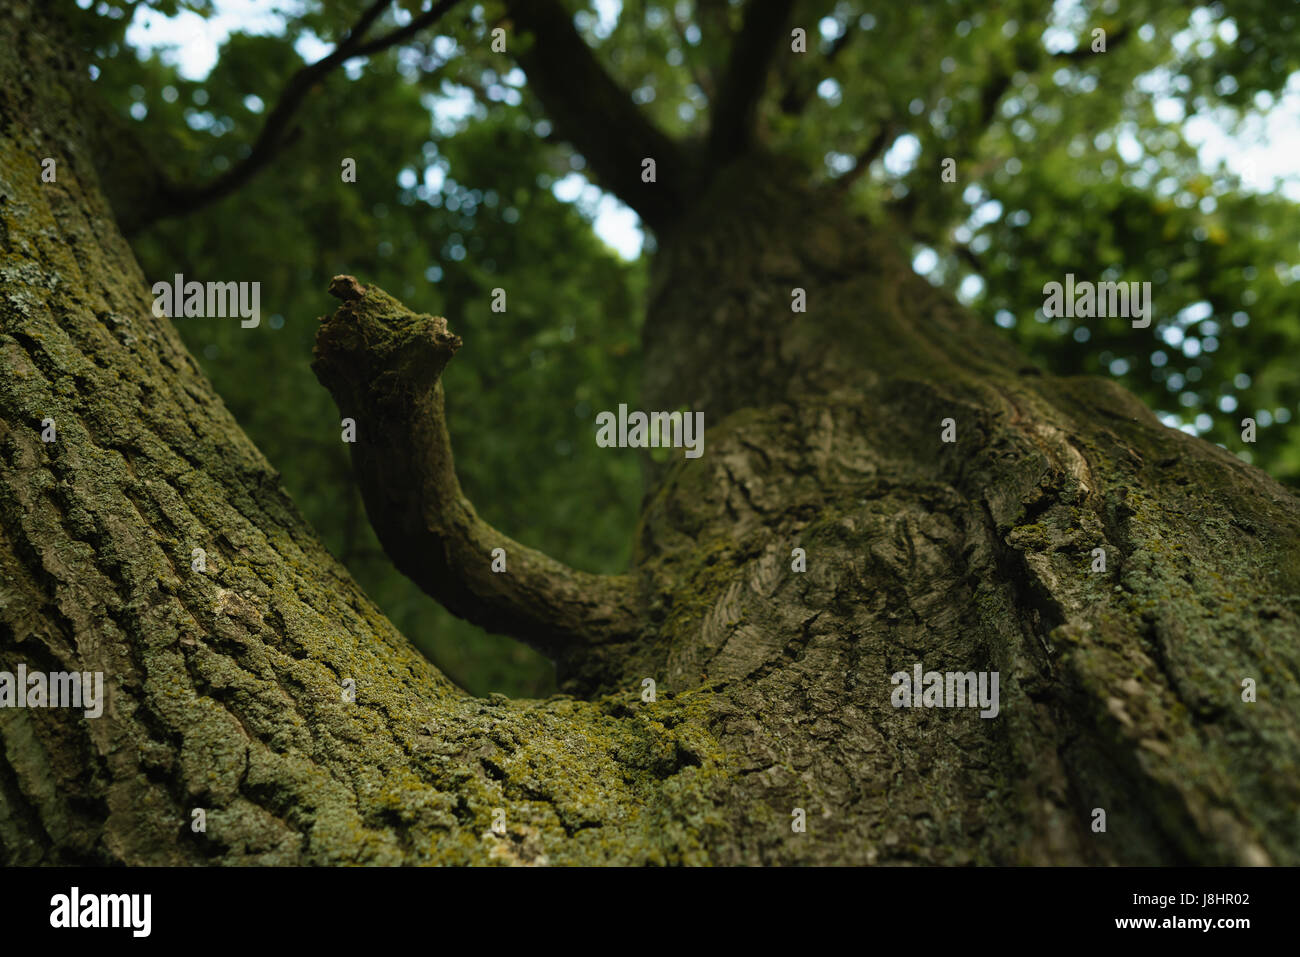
x: 383, y: 365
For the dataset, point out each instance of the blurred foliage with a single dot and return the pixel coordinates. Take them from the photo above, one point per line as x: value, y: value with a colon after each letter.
x: 1083, y: 165
x: 1067, y: 161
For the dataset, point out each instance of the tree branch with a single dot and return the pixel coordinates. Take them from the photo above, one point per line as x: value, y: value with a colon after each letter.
x: 699, y: 72
x: 278, y: 130
x: 884, y: 136
x: 383, y: 364
x: 733, y: 116
x: 1030, y: 60
x: 426, y: 19
x: 598, y: 117
x: 801, y: 88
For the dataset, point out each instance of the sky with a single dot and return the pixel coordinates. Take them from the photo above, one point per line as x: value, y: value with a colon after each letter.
x: 1263, y: 152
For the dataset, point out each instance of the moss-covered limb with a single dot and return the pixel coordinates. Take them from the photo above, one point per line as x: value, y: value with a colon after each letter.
x: 383, y: 365
x: 1200, y: 597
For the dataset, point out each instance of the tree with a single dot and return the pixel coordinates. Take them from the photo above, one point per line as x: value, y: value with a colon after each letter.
x: 887, y: 482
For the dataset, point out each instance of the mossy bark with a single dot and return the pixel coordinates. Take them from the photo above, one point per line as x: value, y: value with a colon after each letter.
x: 1119, y: 691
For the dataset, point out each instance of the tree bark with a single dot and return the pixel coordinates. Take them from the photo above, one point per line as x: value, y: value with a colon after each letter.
x: 1119, y: 690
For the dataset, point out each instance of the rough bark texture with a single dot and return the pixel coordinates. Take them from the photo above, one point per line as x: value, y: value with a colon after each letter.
x: 1118, y: 690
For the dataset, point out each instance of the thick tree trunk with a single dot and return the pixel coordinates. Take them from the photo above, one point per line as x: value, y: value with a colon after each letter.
x: 1119, y: 691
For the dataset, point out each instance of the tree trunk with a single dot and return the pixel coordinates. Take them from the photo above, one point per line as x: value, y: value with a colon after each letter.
x: 1120, y: 690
